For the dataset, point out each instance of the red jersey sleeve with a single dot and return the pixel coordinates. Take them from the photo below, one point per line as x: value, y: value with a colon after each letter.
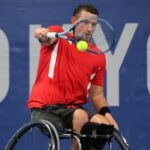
x: 55, y: 28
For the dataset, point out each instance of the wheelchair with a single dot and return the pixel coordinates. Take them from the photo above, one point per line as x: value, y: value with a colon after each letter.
x: 42, y: 135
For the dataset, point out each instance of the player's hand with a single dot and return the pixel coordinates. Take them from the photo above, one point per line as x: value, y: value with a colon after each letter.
x: 112, y: 120
x: 40, y: 33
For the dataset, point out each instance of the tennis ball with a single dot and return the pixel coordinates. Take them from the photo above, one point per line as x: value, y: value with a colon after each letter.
x: 82, y: 46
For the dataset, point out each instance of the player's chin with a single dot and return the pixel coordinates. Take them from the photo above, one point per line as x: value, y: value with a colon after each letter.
x: 87, y: 39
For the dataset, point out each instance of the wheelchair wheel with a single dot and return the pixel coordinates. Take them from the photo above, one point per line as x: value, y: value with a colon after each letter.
x: 35, y: 136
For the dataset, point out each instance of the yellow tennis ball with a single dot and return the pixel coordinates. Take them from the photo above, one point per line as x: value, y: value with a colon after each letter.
x: 82, y: 46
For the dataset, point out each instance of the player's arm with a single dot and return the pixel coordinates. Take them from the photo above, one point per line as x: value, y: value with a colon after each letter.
x: 41, y: 35
x: 100, y: 103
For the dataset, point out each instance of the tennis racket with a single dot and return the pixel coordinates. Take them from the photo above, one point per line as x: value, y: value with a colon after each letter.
x: 103, y: 36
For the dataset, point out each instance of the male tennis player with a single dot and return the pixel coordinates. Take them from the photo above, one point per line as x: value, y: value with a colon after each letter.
x: 65, y: 78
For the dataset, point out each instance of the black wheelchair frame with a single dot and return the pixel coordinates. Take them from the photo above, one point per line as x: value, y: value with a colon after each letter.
x: 54, y: 136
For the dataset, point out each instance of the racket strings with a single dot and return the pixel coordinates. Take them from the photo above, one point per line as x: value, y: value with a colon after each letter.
x: 103, y: 36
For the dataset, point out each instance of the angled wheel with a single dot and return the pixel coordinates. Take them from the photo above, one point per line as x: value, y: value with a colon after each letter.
x: 34, y: 136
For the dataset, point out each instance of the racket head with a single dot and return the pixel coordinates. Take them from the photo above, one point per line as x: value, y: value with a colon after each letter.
x: 95, y: 31
x: 98, y: 32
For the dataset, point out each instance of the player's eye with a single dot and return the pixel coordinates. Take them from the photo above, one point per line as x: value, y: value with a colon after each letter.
x: 86, y: 21
x: 93, y: 24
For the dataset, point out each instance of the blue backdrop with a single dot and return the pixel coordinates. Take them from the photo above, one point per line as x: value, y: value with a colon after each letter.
x: 128, y: 71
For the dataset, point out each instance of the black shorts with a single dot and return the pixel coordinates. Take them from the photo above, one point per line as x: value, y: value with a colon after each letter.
x: 59, y: 115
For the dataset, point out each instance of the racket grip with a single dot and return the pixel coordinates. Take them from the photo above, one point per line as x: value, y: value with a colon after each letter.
x: 52, y: 34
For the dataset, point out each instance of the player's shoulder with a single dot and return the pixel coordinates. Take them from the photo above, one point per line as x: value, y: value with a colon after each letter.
x: 95, y: 49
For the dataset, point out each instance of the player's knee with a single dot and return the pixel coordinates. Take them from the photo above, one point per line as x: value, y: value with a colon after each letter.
x: 97, y: 118
x: 80, y: 114
x: 80, y: 117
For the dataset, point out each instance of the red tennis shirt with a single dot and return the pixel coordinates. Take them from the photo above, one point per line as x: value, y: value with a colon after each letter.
x: 64, y: 74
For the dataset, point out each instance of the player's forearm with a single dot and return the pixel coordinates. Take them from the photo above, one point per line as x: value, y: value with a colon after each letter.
x: 99, y: 101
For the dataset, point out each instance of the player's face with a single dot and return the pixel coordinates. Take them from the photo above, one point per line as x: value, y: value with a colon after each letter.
x: 86, y: 28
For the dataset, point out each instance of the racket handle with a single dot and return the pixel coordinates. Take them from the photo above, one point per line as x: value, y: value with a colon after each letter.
x: 52, y: 34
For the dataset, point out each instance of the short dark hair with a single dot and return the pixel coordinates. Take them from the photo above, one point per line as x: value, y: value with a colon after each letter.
x: 87, y: 7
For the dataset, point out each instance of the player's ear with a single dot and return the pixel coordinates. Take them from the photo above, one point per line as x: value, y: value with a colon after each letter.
x: 73, y: 19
